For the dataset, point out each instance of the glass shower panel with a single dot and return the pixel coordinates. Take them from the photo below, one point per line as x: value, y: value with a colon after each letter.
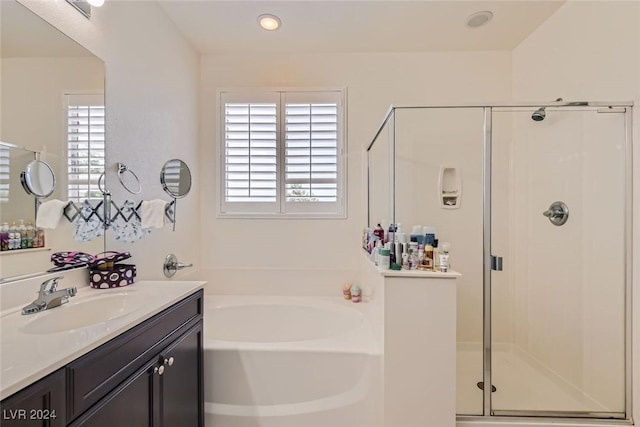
x: 427, y: 142
x: 380, y: 176
x: 558, y: 305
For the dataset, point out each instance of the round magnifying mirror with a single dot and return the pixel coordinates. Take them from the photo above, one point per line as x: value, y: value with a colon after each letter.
x: 38, y: 179
x: 175, y: 178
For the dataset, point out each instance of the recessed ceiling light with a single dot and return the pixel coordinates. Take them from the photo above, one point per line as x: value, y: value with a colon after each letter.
x: 479, y: 19
x: 269, y: 22
x: 95, y: 3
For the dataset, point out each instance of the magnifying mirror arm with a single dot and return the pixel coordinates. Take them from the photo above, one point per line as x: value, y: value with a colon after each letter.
x: 175, y: 204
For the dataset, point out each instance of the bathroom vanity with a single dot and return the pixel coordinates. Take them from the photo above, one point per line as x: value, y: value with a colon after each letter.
x: 149, y: 374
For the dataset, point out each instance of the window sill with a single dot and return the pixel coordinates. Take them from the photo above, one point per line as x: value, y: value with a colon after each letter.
x: 281, y: 216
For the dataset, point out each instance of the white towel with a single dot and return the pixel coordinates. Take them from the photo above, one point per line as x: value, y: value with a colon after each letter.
x: 152, y: 213
x: 49, y: 213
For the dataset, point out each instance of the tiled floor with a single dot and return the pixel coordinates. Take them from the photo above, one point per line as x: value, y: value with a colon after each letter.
x: 520, y: 384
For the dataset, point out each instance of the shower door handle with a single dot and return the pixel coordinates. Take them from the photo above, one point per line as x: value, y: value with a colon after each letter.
x: 496, y: 263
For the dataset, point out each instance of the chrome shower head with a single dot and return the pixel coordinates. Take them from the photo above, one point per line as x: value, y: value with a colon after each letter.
x: 539, y: 114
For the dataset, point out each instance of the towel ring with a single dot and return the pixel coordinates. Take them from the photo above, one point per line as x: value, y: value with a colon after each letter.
x: 130, y: 180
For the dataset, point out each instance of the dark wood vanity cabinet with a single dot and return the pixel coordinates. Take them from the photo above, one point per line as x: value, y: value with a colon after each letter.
x: 151, y: 375
x: 41, y: 404
x: 165, y: 392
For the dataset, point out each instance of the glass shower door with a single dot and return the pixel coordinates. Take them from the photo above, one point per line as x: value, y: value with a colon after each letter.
x: 558, y: 238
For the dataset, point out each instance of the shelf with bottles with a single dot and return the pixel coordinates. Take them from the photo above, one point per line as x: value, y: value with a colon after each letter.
x: 20, y: 236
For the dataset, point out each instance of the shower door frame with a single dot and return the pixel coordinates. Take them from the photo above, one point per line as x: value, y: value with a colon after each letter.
x: 625, y: 108
x: 489, y: 414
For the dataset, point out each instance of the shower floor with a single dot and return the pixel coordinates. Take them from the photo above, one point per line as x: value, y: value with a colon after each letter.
x: 520, y: 384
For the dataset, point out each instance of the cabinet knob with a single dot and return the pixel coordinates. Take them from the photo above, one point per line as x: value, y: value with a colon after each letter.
x: 159, y: 370
x: 168, y: 361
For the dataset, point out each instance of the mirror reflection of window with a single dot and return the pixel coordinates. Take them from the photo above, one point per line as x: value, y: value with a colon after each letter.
x: 5, y: 173
x: 172, y: 176
x: 85, y: 145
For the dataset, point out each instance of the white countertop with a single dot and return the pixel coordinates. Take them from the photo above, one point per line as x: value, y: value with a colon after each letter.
x: 412, y: 273
x: 27, y: 357
x: 420, y: 273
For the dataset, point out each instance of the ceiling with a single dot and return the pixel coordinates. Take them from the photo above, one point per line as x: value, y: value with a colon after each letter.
x: 224, y: 26
x: 24, y: 34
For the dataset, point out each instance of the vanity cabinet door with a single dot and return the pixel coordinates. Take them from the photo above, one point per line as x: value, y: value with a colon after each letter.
x: 182, y: 395
x: 40, y: 405
x: 130, y: 404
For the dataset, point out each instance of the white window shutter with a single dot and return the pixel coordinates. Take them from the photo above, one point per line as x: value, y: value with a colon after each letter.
x: 5, y: 172
x: 281, y: 153
x: 85, y: 145
x: 249, y: 153
x: 312, y: 157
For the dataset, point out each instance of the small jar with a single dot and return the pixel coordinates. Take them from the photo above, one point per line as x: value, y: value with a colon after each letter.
x: 356, y: 293
x: 346, y: 291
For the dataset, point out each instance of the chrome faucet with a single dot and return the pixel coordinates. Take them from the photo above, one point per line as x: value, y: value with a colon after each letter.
x: 49, y: 296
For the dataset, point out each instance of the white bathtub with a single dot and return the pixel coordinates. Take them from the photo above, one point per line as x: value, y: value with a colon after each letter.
x: 290, y: 362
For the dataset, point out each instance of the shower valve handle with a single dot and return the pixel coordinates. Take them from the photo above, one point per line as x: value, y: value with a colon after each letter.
x: 558, y: 213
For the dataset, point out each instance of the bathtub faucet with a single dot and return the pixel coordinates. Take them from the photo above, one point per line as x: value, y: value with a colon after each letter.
x: 171, y: 265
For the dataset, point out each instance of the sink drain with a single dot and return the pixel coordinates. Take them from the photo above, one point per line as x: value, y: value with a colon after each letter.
x: 480, y: 385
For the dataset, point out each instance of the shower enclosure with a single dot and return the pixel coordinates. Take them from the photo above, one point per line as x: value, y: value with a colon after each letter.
x: 535, y: 200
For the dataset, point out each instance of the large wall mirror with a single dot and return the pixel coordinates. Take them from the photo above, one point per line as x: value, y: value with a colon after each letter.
x: 51, y: 102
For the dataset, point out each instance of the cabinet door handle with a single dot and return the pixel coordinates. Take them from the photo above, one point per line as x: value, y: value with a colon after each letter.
x: 169, y: 361
x: 159, y: 370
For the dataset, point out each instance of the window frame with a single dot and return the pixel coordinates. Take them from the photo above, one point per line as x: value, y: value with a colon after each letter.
x: 281, y: 209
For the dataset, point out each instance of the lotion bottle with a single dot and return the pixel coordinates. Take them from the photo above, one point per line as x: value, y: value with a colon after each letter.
x: 444, y: 257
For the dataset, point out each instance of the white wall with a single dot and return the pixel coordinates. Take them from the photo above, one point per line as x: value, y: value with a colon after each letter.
x: 585, y: 51
x: 328, y: 247
x: 152, y: 111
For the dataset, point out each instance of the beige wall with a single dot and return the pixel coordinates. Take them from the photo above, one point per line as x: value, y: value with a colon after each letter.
x: 152, y: 104
x: 585, y: 51
x: 374, y: 82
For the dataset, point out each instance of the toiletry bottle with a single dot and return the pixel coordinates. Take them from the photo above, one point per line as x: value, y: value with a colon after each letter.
x: 444, y: 257
x: 379, y: 231
x: 428, y: 257
x: 392, y: 254
x: 420, y: 254
x: 22, y: 229
x: 40, y: 237
x: 365, y: 238
x: 416, y: 235
x: 413, y: 247
x: 429, y: 235
x: 391, y: 235
x: 400, y: 235
x: 14, y: 237
x: 31, y: 235
x: 384, y: 259
x: 436, y: 256
x: 413, y: 260
x: 4, y: 237
x: 376, y: 252
x: 399, y: 252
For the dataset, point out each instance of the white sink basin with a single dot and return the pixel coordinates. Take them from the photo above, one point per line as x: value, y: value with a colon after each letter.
x: 82, y: 312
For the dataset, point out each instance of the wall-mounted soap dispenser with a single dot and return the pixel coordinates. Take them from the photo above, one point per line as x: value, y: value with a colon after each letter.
x: 449, y: 187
